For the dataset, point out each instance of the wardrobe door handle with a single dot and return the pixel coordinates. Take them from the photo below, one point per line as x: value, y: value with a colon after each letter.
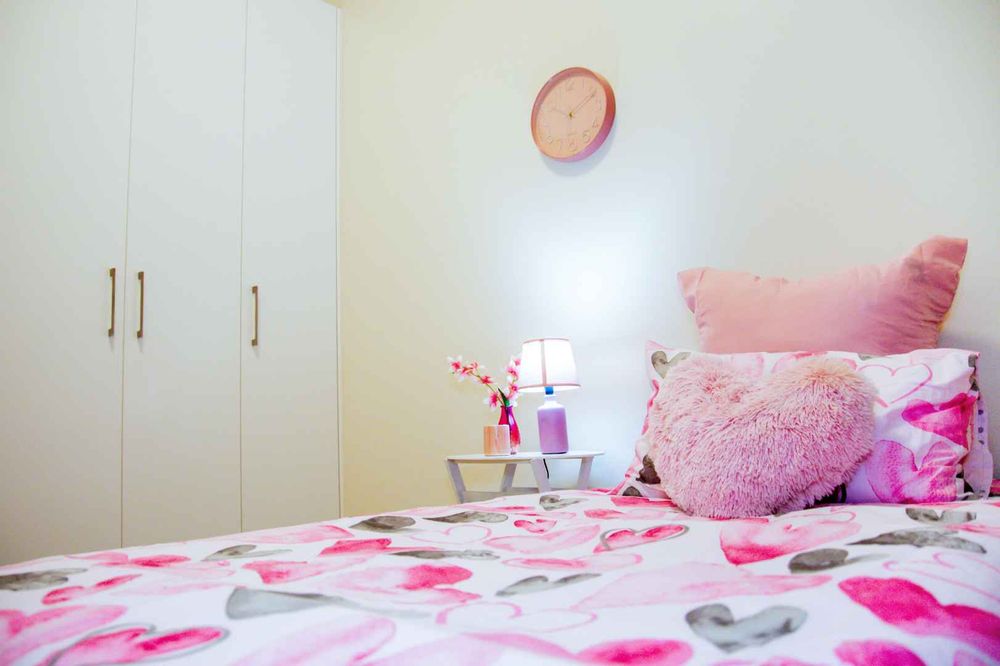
x: 111, y: 329
x: 256, y: 315
x: 142, y: 302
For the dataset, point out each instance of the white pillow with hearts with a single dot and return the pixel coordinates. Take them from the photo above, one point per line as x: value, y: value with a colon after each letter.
x: 930, y: 424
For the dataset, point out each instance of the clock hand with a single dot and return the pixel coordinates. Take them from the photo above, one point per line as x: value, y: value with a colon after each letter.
x: 575, y: 108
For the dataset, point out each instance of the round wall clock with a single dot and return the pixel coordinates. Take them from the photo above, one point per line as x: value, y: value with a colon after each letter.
x: 573, y: 114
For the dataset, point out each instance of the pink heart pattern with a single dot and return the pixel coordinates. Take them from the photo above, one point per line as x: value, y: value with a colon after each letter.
x: 174, y: 565
x: 628, y: 538
x: 895, y: 476
x: 537, y: 526
x: 866, y: 653
x: 894, y: 384
x: 21, y: 633
x: 75, y: 591
x: 592, y: 563
x: 755, y: 540
x: 545, y: 543
x: 907, y: 606
x: 948, y: 419
x: 360, y: 546
x: 498, y: 616
x: 958, y: 570
x: 632, y: 651
x: 298, y: 534
x: 135, y: 644
x: 692, y: 582
x: 422, y: 584
x: 638, y: 513
x: 280, y: 571
x: 330, y: 643
x: 456, y: 536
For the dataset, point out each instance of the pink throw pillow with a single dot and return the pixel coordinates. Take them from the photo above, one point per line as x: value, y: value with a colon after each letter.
x: 930, y: 423
x: 887, y: 309
x: 730, y: 443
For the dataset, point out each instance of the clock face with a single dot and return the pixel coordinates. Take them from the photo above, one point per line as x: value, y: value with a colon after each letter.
x: 573, y: 114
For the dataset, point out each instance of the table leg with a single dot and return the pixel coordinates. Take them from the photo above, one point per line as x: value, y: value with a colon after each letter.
x: 583, y: 480
x: 456, y: 480
x: 508, y: 477
x: 541, y: 478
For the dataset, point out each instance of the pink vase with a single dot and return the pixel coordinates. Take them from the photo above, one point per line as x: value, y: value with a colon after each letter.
x: 507, y: 419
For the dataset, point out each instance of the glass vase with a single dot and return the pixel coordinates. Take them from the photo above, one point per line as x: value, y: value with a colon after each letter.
x: 507, y: 419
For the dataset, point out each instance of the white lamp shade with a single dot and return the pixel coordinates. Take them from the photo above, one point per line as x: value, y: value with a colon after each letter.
x: 547, y: 362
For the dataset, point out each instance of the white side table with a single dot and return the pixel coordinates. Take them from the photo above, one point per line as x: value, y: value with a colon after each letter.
x: 534, y: 458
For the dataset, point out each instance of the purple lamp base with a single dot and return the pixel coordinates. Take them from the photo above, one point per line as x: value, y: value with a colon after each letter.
x: 552, y: 427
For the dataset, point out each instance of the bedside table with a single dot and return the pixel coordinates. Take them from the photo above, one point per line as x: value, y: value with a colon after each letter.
x: 537, y: 461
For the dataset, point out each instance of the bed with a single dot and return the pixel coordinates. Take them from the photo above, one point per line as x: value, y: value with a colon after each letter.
x: 563, y: 577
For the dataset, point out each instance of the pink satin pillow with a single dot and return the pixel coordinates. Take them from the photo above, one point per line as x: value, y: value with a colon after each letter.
x: 892, y: 308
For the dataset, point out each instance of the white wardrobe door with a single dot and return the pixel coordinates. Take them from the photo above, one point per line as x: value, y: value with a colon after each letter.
x: 65, y: 85
x: 181, y: 409
x: 289, y: 412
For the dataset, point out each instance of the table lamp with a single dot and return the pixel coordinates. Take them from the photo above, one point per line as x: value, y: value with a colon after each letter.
x: 547, y: 365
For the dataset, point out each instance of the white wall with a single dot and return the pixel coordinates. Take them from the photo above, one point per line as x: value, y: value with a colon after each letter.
x: 781, y: 137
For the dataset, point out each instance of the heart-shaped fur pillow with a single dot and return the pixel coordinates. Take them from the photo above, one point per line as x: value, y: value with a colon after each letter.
x: 729, y: 444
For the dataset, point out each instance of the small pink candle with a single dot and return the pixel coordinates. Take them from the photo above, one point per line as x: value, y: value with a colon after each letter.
x: 496, y: 440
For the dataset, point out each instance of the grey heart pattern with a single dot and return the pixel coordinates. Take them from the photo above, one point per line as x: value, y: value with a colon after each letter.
x: 542, y: 583
x: 385, y: 523
x: 946, y: 517
x: 662, y: 365
x: 241, y: 552
x: 552, y: 502
x: 974, y: 379
x: 824, y: 558
x: 648, y: 473
x: 923, y: 538
x: 471, y: 517
x: 716, y: 624
x: 36, y: 580
x: 442, y: 554
x: 244, y: 603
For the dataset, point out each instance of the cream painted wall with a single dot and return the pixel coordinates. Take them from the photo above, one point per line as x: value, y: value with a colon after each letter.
x: 781, y: 137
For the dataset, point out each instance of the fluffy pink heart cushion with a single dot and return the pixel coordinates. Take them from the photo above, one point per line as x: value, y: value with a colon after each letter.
x: 728, y: 445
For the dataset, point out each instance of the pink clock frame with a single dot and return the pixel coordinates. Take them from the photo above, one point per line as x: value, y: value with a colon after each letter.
x: 602, y: 132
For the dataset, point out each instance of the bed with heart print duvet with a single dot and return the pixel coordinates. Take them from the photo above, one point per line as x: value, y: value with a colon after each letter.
x: 567, y: 577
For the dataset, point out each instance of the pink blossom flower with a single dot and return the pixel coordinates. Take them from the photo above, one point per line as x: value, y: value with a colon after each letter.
x: 498, y: 396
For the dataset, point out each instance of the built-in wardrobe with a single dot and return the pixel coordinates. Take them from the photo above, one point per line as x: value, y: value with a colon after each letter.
x: 168, y: 347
